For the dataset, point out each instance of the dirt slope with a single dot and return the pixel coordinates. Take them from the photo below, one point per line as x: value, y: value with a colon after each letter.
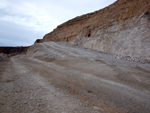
x: 62, y: 78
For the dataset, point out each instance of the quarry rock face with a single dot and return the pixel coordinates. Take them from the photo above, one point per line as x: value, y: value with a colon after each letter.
x: 121, y: 29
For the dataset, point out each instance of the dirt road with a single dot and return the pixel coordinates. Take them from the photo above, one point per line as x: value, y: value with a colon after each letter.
x: 73, y: 83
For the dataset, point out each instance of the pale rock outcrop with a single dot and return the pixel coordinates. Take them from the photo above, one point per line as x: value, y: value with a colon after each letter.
x: 124, y: 38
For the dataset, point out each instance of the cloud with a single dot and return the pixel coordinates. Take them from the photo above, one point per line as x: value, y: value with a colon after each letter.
x: 28, y: 14
x: 23, y: 21
x: 12, y: 34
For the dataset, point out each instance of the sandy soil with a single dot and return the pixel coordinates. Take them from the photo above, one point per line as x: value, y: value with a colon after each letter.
x: 62, y: 78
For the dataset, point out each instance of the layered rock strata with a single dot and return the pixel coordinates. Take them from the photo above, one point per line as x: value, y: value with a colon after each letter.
x: 121, y: 29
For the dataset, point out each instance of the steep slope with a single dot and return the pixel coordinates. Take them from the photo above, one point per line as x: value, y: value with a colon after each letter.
x: 121, y: 29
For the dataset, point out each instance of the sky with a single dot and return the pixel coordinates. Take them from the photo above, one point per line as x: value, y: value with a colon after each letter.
x: 24, y: 21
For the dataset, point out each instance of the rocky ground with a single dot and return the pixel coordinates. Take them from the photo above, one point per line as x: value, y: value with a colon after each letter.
x: 61, y: 78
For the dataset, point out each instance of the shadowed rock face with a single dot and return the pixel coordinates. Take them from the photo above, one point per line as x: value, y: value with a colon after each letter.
x: 13, y: 50
x: 121, y: 29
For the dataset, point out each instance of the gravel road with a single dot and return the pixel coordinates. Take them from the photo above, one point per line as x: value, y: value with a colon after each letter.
x: 72, y: 81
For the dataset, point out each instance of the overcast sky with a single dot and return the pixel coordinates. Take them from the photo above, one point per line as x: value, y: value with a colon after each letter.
x: 24, y: 21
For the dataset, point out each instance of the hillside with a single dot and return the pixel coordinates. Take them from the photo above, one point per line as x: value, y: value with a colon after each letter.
x: 121, y: 29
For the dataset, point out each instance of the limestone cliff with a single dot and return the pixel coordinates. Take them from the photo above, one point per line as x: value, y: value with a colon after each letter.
x: 121, y: 29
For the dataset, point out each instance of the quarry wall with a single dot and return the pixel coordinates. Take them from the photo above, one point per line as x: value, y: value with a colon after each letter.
x: 121, y: 29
